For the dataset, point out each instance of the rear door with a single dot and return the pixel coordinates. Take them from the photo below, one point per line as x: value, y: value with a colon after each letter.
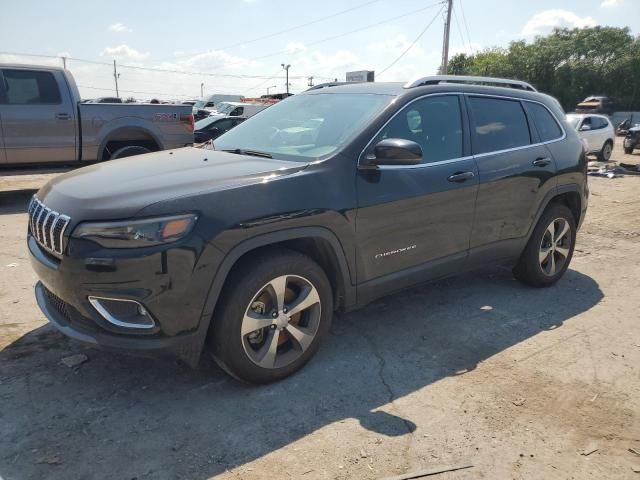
x: 38, y: 117
x: 3, y: 158
x: 414, y: 222
x: 516, y: 171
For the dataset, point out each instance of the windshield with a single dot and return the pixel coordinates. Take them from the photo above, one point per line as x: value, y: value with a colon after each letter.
x: 573, y: 120
x: 305, y: 127
x: 199, y: 104
x: 224, y: 107
x: 205, y: 122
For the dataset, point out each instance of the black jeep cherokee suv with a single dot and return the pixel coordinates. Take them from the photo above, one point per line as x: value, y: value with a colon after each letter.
x: 324, y: 201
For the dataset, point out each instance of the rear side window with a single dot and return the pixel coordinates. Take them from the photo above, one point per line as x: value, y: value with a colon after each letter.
x: 598, y: 123
x: 547, y: 127
x: 498, y: 124
x: 23, y: 87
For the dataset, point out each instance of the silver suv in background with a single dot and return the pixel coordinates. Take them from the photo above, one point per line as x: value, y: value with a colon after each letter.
x: 596, y: 132
x: 43, y: 121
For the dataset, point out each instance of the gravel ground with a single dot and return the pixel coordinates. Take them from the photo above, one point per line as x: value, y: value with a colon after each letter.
x: 475, y: 370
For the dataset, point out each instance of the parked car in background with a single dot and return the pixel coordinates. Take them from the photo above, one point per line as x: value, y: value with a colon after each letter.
x: 597, y: 132
x: 595, y: 104
x: 212, y: 127
x: 104, y: 100
x: 632, y: 140
x: 203, y: 107
x: 44, y: 122
x: 623, y: 127
x: 247, y: 249
x: 238, y: 109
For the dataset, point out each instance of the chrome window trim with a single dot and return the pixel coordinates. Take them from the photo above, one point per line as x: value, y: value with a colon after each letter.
x: 453, y: 160
x: 95, y: 303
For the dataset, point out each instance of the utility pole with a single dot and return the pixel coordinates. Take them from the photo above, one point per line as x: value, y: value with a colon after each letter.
x: 272, y: 86
x: 286, y: 68
x: 445, y: 41
x: 310, y: 83
x: 116, y: 75
x: 202, y: 90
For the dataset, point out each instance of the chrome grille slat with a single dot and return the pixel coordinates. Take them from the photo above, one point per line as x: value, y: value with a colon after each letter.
x: 47, y: 226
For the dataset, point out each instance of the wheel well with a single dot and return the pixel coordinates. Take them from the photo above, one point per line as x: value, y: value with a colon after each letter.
x: 128, y: 137
x: 320, y: 251
x: 571, y: 200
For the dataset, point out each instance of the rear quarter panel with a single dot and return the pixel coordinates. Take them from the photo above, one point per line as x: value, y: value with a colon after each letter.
x: 162, y: 122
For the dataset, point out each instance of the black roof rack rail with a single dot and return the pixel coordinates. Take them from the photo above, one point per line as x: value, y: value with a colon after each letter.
x: 329, y: 84
x: 437, y: 79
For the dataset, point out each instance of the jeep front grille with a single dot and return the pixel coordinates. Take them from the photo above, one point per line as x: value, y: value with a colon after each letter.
x: 47, y: 226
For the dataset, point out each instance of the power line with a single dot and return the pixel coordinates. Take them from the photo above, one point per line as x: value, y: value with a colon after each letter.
x: 464, y: 20
x: 464, y: 43
x: 412, y: 43
x: 295, y: 27
x: 135, y: 91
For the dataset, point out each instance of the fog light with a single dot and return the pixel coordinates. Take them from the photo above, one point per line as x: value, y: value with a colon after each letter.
x: 122, y: 312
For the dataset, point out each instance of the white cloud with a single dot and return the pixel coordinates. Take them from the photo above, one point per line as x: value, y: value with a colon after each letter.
x: 397, y: 44
x: 295, y: 47
x: 611, y: 3
x: 119, y: 27
x: 546, y: 21
x: 124, y: 51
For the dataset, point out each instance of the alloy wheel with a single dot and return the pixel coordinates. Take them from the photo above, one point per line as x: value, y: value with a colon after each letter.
x: 606, y: 151
x: 281, y: 321
x: 555, y: 246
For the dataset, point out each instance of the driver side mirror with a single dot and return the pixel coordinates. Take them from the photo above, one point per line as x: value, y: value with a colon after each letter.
x: 393, y: 151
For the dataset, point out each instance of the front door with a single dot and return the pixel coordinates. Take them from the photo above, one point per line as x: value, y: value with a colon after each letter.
x: 414, y: 222
x: 38, y: 118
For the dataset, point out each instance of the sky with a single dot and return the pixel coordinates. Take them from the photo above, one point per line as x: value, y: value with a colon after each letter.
x: 238, y: 46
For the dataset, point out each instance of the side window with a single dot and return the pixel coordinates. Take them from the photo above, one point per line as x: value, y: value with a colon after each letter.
x: 24, y: 87
x: 599, y: 123
x: 435, y: 123
x: 237, y: 111
x: 547, y: 127
x: 586, y: 122
x: 498, y: 124
x: 222, y: 125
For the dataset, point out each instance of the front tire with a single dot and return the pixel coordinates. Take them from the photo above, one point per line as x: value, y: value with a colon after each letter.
x: 274, y: 310
x: 605, y: 153
x: 628, y: 150
x: 550, y: 248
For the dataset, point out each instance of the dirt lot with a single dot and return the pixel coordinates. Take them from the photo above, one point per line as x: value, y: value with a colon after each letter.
x: 476, y: 370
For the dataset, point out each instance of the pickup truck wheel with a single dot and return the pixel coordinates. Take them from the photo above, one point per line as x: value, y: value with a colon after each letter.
x: 129, y: 151
x: 275, y: 309
x: 605, y: 153
x: 550, y: 248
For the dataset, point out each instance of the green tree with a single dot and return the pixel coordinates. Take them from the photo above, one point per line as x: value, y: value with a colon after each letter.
x: 568, y: 64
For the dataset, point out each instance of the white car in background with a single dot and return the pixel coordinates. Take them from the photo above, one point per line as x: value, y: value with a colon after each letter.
x: 596, y: 131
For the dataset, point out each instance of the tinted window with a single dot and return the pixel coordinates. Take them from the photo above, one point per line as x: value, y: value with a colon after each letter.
x: 598, y: 123
x: 498, y: 124
x: 30, y: 88
x: 547, y: 127
x: 434, y: 123
x: 223, y: 125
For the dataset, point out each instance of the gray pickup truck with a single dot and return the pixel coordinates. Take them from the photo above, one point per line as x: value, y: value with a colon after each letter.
x: 42, y: 121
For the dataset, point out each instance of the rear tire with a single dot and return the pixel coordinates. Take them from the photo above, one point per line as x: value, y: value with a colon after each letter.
x: 550, y: 248
x: 605, y: 153
x: 129, y: 151
x: 258, y: 336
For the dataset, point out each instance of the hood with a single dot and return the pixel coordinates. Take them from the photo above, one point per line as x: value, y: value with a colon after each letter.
x: 121, y: 188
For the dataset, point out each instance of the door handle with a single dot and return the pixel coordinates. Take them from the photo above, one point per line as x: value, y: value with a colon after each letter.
x: 63, y: 116
x: 541, y: 162
x: 460, y: 177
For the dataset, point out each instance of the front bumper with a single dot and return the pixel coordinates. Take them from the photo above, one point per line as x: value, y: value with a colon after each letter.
x: 164, y: 280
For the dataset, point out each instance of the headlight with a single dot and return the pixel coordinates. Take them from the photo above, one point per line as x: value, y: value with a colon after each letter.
x: 137, y: 233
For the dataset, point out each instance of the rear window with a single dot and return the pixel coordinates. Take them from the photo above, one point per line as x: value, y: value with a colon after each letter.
x: 546, y: 125
x: 498, y: 124
x: 24, y: 87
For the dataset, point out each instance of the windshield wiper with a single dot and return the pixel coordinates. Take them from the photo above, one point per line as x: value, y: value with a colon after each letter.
x: 253, y: 153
